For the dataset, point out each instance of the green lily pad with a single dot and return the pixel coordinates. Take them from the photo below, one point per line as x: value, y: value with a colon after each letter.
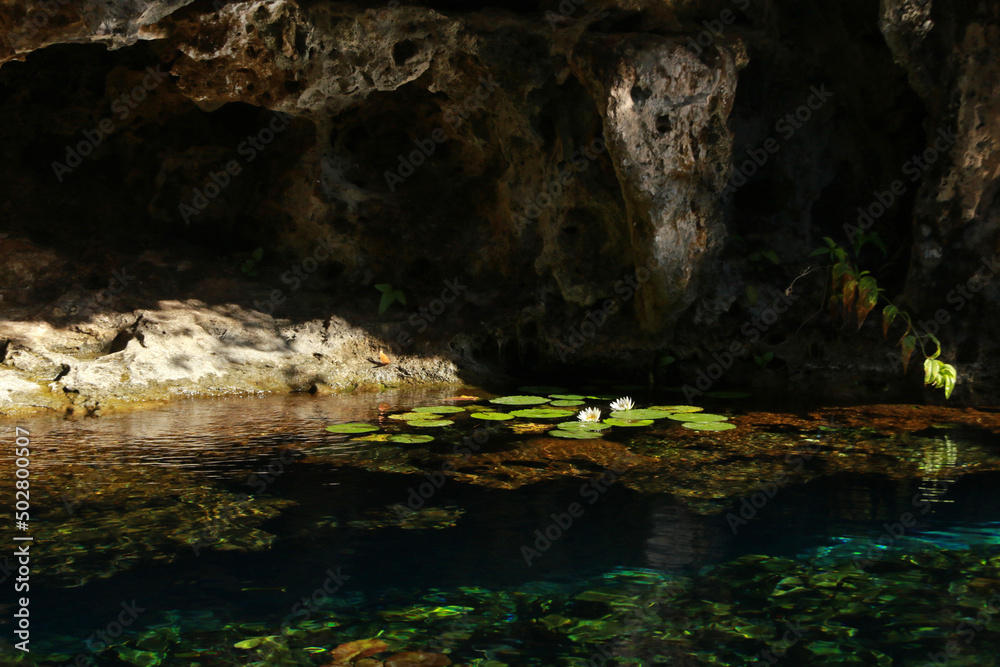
x: 407, y: 416
x: 519, y: 400
x: 568, y: 397
x: 612, y: 421
x: 583, y: 426
x: 647, y: 413
x: 698, y: 417
x: 492, y: 416
x: 565, y: 404
x: 728, y: 394
x: 541, y: 413
x: 353, y: 427
x: 709, y: 426
x: 439, y: 409
x: 603, y: 397
x: 410, y: 438
x: 374, y: 437
x: 676, y: 408
x: 430, y: 423
x: 575, y: 435
x: 541, y: 390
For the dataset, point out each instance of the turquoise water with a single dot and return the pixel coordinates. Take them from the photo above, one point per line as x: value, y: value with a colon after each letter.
x: 242, y: 532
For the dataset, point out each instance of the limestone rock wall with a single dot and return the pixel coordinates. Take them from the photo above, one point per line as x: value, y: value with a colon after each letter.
x: 195, y: 188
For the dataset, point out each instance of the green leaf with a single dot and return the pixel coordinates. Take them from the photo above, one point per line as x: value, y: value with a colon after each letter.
x: 698, y: 417
x: 936, y: 342
x: 385, y: 302
x: 940, y: 375
x: 399, y: 296
x: 430, y: 423
x: 708, y: 426
x: 519, y: 400
x: 353, y: 427
x: 542, y: 413
x: 492, y: 416
x: 410, y: 438
x: 889, y: 313
x: 829, y: 242
x: 867, y: 298
x: 614, y: 421
x: 819, y: 251
x: 907, y: 345
x: 257, y: 254
x: 384, y: 287
x: 771, y: 255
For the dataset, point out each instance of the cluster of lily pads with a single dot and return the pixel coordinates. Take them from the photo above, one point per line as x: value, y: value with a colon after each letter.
x: 542, y: 403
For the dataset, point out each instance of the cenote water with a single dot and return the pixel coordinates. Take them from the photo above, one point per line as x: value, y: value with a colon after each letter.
x: 244, y: 532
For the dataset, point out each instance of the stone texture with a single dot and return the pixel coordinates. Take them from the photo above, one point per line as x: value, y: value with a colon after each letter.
x: 543, y: 159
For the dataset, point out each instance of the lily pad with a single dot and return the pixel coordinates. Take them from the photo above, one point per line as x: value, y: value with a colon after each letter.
x: 374, y: 437
x: 612, y: 421
x: 519, y: 400
x: 647, y: 413
x: 568, y: 397
x: 676, y: 408
x: 353, y: 427
x: 541, y: 413
x: 575, y: 435
x: 583, y: 426
x: 410, y: 438
x: 407, y: 416
x: 565, y: 404
x: 439, y: 409
x: 698, y: 417
x: 541, y: 390
x: 492, y: 416
x: 603, y: 397
x: 708, y: 426
x: 430, y: 423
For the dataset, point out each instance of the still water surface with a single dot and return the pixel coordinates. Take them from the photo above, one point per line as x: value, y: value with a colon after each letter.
x: 241, y: 532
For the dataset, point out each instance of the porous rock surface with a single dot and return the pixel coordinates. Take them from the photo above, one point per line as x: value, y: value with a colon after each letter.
x: 545, y: 184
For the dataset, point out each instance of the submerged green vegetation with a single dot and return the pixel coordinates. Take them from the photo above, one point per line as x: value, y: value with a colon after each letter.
x: 387, y: 490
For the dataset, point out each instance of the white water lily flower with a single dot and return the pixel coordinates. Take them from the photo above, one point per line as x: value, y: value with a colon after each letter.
x: 622, y: 404
x: 589, y: 415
